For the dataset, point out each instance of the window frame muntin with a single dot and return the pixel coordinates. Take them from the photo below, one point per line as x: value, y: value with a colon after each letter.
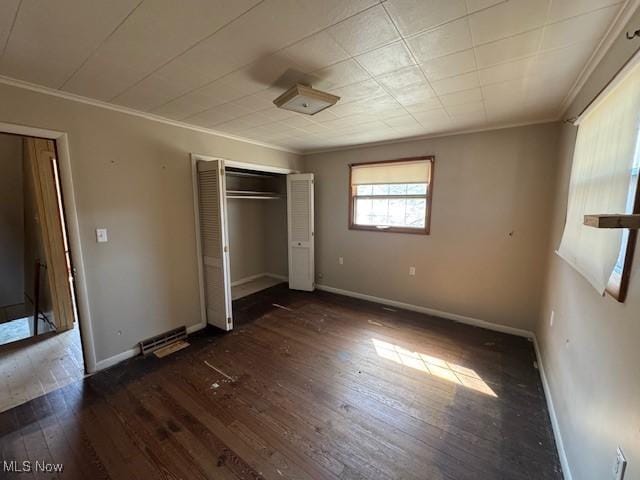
x: 618, y: 285
x: 390, y: 229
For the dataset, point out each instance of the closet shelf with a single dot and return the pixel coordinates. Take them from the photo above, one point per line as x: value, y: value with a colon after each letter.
x: 612, y: 221
x: 253, y: 195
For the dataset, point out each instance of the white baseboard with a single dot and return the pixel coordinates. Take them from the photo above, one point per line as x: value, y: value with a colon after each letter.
x: 564, y: 462
x: 195, y: 328
x: 120, y: 357
x: 126, y: 355
x: 255, y: 277
x: 248, y: 279
x: 431, y: 311
x: 284, y: 278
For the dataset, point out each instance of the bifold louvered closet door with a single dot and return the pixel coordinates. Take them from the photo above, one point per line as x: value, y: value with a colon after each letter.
x: 301, y: 231
x: 214, y: 243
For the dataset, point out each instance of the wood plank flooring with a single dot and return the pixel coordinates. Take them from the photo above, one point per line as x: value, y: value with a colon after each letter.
x: 308, y: 386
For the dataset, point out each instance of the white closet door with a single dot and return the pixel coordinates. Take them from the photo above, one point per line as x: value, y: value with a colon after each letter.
x: 214, y: 243
x: 301, y: 235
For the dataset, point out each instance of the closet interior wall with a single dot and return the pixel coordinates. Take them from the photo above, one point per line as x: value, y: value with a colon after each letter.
x: 257, y: 227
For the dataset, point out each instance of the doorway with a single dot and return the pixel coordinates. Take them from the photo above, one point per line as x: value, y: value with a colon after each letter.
x: 40, y: 342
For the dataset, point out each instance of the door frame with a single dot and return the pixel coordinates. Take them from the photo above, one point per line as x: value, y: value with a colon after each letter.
x: 195, y: 157
x: 73, y: 230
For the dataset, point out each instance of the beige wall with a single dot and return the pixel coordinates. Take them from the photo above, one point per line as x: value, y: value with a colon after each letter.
x: 486, y: 185
x: 11, y: 221
x: 257, y: 230
x: 133, y: 176
x: 246, y: 237
x: 591, y: 355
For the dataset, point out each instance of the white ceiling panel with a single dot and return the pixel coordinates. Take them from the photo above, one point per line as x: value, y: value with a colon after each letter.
x: 563, y: 9
x: 589, y: 27
x: 316, y: 52
x: 507, y: 18
x: 365, y: 31
x: 457, y: 83
x: 505, y: 71
x: 450, y: 38
x: 413, y: 16
x: 475, y: 5
x: 8, y: 10
x: 401, y: 67
x: 339, y: 75
x: 386, y: 59
x: 51, y: 40
x: 450, y: 65
x: 507, y: 49
x: 154, y: 34
x: 472, y: 95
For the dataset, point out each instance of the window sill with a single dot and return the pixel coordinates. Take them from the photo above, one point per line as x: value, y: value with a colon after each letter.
x: 368, y: 228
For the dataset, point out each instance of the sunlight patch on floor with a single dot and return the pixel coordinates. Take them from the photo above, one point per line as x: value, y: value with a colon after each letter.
x: 434, y: 366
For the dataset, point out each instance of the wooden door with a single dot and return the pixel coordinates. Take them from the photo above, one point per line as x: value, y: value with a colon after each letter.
x: 301, y: 231
x: 214, y: 242
x: 40, y: 162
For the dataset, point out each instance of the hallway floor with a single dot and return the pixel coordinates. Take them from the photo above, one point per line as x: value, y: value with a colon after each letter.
x: 34, y: 367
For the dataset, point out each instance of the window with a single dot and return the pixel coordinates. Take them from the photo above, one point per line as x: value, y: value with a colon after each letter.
x: 619, y: 280
x: 604, y: 180
x: 391, y: 196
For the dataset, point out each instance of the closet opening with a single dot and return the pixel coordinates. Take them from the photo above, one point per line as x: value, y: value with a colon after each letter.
x: 257, y: 229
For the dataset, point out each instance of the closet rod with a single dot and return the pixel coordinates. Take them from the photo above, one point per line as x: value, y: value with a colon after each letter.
x: 248, y: 174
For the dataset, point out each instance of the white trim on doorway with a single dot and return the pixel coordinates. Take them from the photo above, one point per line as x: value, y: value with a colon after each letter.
x: 73, y: 226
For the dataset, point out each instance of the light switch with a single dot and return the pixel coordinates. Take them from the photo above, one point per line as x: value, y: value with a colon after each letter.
x: 101, y: 235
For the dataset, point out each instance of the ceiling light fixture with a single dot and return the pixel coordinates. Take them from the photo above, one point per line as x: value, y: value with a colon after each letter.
x: 304, y: 99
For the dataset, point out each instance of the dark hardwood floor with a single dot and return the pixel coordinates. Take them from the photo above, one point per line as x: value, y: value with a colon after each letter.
x: 308, y: 386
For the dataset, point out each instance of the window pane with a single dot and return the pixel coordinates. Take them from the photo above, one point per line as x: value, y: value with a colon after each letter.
x: 415, y: 215
x: 395, y: 212
x: 363, y: 211
x: 397, y: 209
x: 381, y: 189
x: 379, y: 212
x: 398, y: 189
x: 417, y: 189
x: 363, y: 189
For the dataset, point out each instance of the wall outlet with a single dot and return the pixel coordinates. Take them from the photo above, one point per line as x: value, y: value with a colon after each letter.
x: 101, y: 235
x: 619, y: 466
x: 412, y: 271
x: 341, y: 260
x: 552, y: 317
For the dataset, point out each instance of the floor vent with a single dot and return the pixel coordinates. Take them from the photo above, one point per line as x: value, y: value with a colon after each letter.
x: 151, y: 344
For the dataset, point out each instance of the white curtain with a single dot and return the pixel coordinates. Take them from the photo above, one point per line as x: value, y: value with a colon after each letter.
x: 600, y: 176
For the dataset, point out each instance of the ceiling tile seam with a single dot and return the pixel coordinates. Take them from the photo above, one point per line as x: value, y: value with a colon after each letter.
x: 415, y: 59
x: 451, y: 20
x: 14, y: 82
x: 13, y: 24
x: 104, y: 40
x: 351, y: 57
x: 242, y: 66
x: 611, y: 34
x: 185, y: 51
x: 371, y: 77
x: 468, y: 15
x: 475, y: 59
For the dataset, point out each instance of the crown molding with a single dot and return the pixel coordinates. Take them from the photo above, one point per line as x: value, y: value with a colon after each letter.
x: 427, y: 137
x: 611, y: 35
x: 136, y: 113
